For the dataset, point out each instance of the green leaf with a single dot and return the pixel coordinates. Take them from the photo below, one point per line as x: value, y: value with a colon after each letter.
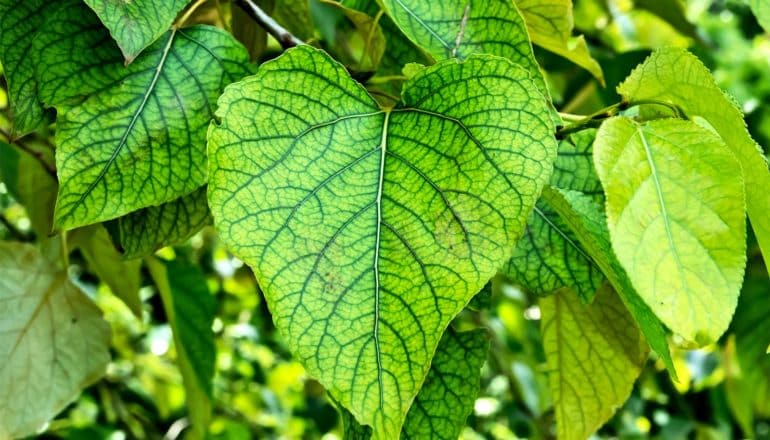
x: 548, y: 256
x: 447, y: 396
x: 747, y: 384
x: 31, y: 184
x: 676, y: 216
x: 134, y: 137
x: 145, y: 231
x: 359, y: 40
x: 190, y: 309
x: 459, y: 28
x: 550, y: 26
x: 370, y: 229
x: 53, y: 341
x: 136, y: 24
x: 19, y: 20
x: 678, y: 77
x: 674, y: 12
x: 761, y: 9
x: 122, y: 277
x: 593, y: 356
x: 586, y: 220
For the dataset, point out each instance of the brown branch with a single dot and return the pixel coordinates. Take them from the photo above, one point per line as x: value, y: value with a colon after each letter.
x: 284, y: 37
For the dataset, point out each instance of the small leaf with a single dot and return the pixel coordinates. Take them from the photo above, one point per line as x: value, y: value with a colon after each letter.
x: 586, y: 220
x: 548, y: 257
x: 19, y: 20
x: 676, y: 215
x: 53, y: 341
x: 190, y: 309
x: 447, y: 396
x: 593, y: 354
x: 130, y: 137
x: 459, y: 28
x: 678, y: 77
x: 136, y: 24
x: 550, y: 25
x: 370, y: 229
x: 145, y: 231
x: 122, y: 277
x: 359, y: 37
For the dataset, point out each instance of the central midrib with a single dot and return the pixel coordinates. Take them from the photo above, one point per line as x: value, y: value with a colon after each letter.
x: 376, y: 266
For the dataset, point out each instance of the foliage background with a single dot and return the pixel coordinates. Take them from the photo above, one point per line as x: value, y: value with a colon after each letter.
x: 260, y: 392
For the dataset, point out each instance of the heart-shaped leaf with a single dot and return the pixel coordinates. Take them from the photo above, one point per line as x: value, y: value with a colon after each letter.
x: 369, y: 229
x: 129, y: 137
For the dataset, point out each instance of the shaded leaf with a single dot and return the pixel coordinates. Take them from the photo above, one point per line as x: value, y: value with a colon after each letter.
x: 586, y: 220
x: 593, y: 354
x: 53, y: 341
x: 678, y: 77
x: 130, y: 137
x: 122, y: 277
x: 136, y: 24
x: 190, y: 309
x: 761, y: 9
x: 147, y: 230
x: 548, y: 256
x: 676, y: 216
x: 31, y: 184
x: 370, y: 229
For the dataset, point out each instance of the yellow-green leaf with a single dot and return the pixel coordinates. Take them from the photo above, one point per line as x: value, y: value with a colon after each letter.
x: 53, y: 341
x: 593, y: 355
x: 369, y: 229
x: 676, y: 215
x: 550, y: 26
x: 678, y: 77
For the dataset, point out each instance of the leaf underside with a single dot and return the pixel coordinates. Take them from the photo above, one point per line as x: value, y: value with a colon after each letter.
x: 370, y: 229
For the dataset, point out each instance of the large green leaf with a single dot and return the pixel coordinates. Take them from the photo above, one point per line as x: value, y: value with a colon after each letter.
x: 53, y: 341
x: 447, y: 396
x: 548, y: 257
x: 678, y: 77
x: 593, y: 356
x: 586, y: 219
x: 19, y: 20
x: 147, y: 230
x: 28, y: 180
x: 190, y: 309
x: 136, y: 24
x: 369, y: 229
x: 550, y: 25
x: 122, y: 277
x: 761, y: 10
x: 459, y: 28
x: 676, y: 215
x: 130, y: 137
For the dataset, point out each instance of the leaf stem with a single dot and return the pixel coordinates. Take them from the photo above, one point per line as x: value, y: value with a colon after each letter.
x: 594, y: 120
x: 284, y: 37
